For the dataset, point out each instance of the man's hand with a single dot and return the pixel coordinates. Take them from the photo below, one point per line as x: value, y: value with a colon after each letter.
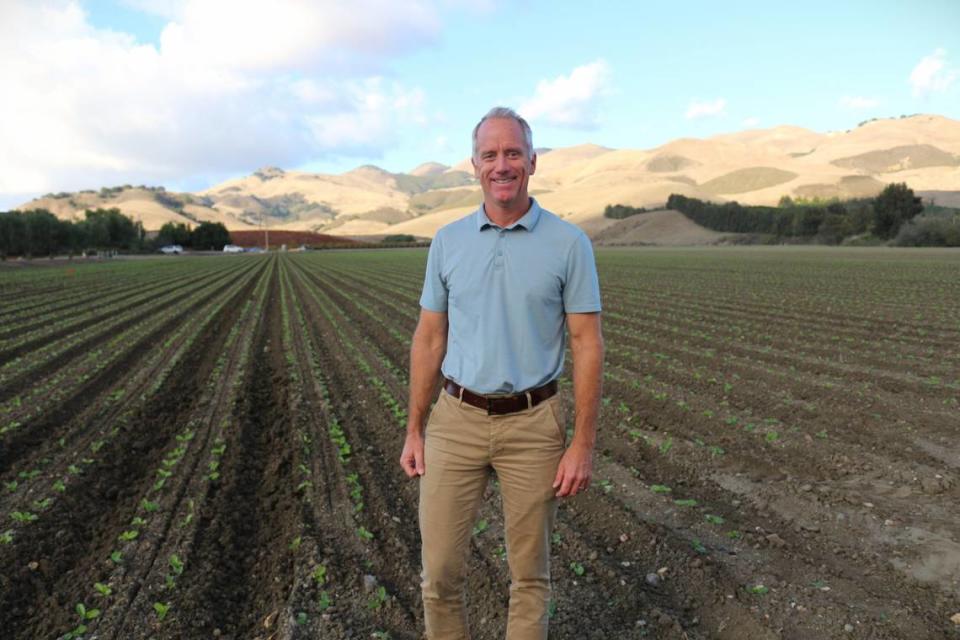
x: 574, y: 472
x: 411, y: 459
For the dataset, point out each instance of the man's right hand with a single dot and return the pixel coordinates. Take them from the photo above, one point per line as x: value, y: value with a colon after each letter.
x: 411, y: 459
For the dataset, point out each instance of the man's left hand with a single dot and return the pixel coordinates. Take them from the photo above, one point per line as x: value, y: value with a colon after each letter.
x: 574, y: 472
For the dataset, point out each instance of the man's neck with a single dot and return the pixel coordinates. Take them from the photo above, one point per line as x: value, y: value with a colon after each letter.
x: 506, y: 216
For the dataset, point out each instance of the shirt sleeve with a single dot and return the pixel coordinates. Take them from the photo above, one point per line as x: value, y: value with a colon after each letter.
x: 434, y: 296
x: 581, y: 290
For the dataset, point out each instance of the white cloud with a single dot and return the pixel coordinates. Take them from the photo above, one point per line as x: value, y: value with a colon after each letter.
x: 232, y: 86
x: 704, y: 109
x: 572, y: 100
x: 932, y: 74
x: 752, y: 121
x: 858, y: 102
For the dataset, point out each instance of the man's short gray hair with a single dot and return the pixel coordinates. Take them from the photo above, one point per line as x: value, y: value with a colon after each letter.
x: 508, y: 113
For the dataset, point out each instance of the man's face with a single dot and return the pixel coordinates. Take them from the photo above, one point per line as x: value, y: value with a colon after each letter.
x: 502, y: 164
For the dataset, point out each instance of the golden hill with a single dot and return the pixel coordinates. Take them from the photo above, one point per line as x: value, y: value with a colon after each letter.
x: 753, y: 167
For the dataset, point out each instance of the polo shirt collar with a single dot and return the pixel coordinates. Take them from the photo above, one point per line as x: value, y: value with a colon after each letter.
x: 528, y: 221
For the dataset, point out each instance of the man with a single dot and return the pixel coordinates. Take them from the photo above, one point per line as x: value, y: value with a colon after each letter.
x: 499, y: 286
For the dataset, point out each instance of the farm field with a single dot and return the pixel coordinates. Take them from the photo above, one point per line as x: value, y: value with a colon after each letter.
x: 207, y: 447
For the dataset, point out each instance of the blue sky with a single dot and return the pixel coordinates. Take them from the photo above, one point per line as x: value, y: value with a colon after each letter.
x: 186, y: 93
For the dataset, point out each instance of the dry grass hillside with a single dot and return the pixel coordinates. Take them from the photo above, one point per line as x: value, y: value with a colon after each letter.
x: 753, y: 167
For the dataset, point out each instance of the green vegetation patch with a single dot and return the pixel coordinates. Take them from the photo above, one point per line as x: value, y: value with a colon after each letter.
x: 668, y: 163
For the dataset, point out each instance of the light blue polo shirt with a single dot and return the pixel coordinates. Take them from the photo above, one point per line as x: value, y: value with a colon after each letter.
x: 506, y: 292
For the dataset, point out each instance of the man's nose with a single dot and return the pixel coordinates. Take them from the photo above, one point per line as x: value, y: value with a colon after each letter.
x: 501, y: 163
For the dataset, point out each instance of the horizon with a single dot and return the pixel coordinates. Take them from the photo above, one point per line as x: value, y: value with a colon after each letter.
x: 111, y: 92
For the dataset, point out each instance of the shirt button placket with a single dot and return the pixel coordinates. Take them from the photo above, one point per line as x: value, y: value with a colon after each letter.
x: 498, y: 251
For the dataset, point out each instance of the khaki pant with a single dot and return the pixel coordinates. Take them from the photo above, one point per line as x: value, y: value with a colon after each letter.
x: 463, y: 445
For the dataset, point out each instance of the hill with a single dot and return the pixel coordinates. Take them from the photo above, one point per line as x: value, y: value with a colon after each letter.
x: 757, y: 166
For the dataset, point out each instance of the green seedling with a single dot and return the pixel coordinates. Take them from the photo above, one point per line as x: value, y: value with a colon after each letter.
x: 116, y: 557
x: 11, y: 486
x: 666, y: 445
x: 698, y: 546
x: 6, y: 537
x: 40, y: 505
x: 822, y: 434
x: 319, y: 575
x: 86, y: 614
x: 688, y: 502
x: 715, y: 450
x: 377, y: 599
x: 149, y: 506
x: 162, y: 609
x: 176, y: 565
x: 758, y: 589
x: 772, y: 436
x: 577, y: 568
x: 103, y: 589
x: 660, y: 488
x: 127, y: 536
x: 551, y: 608
x: 364, y: 534
x: 295, y: 543
x: 712, y: 519
x: 301, y: 618
x: 555, y: 538
x: 381, y: 635
x: 480, y: 527
x: 606, y: 485
x: 23, y: 516
x: 324, y: 602
x: 137, y: 521
x: 59, y: 486
x: 28, y: 475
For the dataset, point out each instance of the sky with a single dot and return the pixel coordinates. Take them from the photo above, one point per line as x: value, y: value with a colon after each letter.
x: 188, y: 93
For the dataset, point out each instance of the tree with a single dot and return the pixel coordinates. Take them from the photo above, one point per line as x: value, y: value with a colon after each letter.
x: 210, y: 235
x: 175, y: 233
x: 895, y: 205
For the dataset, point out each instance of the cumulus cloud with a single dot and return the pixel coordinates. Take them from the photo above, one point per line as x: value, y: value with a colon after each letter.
x: 752, y: 121
x: 706, y: 108
x: 857, y: 103
x: 571, y: 100
x: 231, y: 86
x: 932, y: 74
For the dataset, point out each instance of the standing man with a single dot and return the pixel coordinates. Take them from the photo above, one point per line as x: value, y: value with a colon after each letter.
x: 499, y: 287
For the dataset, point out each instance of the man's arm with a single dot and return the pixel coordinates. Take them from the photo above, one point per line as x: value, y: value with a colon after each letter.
x: 426, y: 355
x: 586, y: 345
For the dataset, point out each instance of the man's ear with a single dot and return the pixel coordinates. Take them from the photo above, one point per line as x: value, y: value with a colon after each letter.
x: 533, y: 163
x: 476, y: 169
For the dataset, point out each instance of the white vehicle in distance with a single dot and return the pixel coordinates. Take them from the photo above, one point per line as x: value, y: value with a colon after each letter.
x: 232, y: 248
x: 172, y: 249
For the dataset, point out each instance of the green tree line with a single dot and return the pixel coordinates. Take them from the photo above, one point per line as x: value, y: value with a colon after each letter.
x: 894, y: 210
x: 38, y: 232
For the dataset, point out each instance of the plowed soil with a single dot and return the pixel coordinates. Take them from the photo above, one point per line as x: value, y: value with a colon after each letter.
x: 777, y: 456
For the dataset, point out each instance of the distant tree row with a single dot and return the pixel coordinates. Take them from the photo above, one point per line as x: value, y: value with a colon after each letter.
x: 621, y: 211
x: 206, y: 236
x: 826, y: 222
x: 38, y: 233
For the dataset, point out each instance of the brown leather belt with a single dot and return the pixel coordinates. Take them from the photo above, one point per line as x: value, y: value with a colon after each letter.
x: 500, y: 405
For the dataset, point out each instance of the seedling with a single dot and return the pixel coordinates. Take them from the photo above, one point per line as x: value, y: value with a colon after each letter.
x: 162, y: 609
x: 324, y: 601
x: 660, y: 488
x: 666, y: 445
x: 688, y: 502
x: 59, y: 486
x: 480, y: 527
x: 23, y: 516
x: 11, y: 486
x: 381, y: 635
x: 137, y: 521
x: 176, y: 565
x: 127, y: 536
x: 116, y: 557
x: 698, y: 546
x: 822, y: 434
x: 149, y: 506
x: 40, y: 505
x: 302, y: 618
x: 364, y: 534
x: 377, y: 599
x: 103, y: 589
x: 577, y: 568
x: 6, y: 537
x: 319, y: 575
x: 555, y: 538
x: 606, y: 485
x: 295, y: 543
x: 712, y: 519
x: 758, y: 589
x: 772, y: 436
